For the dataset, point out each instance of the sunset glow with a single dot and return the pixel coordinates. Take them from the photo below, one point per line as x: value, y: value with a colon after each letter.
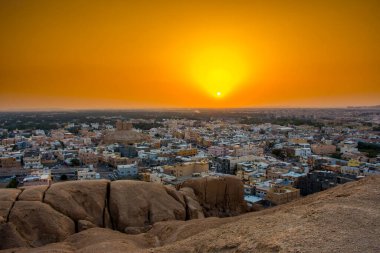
x: 170, y: 54
x: 218, y: 70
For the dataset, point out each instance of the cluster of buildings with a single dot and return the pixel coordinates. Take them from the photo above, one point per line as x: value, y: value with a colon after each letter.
x: 276, y: 163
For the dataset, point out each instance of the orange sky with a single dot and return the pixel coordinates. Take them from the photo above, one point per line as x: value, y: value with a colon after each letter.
x: 119, y: 54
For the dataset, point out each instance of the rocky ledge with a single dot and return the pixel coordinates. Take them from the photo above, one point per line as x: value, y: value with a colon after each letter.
x: 342, y: 219
x: 35, y: 216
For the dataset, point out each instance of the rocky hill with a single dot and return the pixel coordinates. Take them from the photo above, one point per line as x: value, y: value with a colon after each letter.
x: 343, y: 219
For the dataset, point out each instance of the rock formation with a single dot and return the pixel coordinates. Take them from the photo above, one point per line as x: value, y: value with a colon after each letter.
x: 138, y: 204
x: 7, y: 199
x: 33, y: 193
x: 79, y: 200
x: 39, y: 224
x: 219, y: 196
x: 342, y: 219
x: 39, y: 215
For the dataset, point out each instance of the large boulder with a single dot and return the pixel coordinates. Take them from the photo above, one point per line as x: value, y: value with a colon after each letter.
x: 9, y: 194
x: 7, y: 197
x: 10, y: 238
x: 312, y: 224
x: 33, y: 193
x: 84, y: 225
x: 138, y: 204
x: 39, y: 223
x: 5, y: 207
x: 188, y: 199
x: 80, y: 200
x: 218, y: 195
x: 193, y: 209
x: 176, y: 194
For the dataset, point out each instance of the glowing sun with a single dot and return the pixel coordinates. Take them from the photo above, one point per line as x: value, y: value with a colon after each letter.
x: 218, y: 70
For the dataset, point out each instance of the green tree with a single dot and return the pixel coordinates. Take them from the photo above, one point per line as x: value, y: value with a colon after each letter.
x: 337, y: 155
x: 63, y: 177
x: 75, y: 162
x: 13, y: 183
x: 279, y: 153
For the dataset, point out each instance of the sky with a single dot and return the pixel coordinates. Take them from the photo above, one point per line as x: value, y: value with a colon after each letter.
x: 77, y: 54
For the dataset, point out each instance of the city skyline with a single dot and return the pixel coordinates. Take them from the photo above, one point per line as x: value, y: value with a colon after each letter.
x: 200, y: 54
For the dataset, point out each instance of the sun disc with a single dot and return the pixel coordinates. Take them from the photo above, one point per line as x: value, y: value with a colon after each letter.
x: 218, y: 70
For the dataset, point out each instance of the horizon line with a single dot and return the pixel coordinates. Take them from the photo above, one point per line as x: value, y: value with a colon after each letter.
x: 62, y: 109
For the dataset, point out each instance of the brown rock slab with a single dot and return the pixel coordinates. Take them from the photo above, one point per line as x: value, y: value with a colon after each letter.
x: 187, y: 191
x: 137, y: 230
x: 219, y: 196
x: 10, y: 238
x: 193, y: 209
x: 5, y: 207
x: 9, y: 194
x: 84, y: 225
x: 137, y: 204
x: 39, y: 223
x: 7, y: 197
x: 33, y: 193
x: 175, y: 194
x: 171, y: 231
x: 79, y: 200
x: 107, y: 218
x: 342, y: 219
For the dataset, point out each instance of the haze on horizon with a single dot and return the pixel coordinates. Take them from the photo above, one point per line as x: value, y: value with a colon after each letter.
x: 196, y: 54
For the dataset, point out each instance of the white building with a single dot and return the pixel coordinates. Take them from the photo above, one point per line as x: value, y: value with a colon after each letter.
x: 33, y: 162
x: 87, y: 174
x: 302, y: 152
x: 128, y: 170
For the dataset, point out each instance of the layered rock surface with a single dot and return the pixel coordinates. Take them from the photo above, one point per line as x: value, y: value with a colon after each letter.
x: 33, y: 193
x: 35, y: 216
x: 79, y: 200
x: 7, y: 199
x: 342, y: 219
x: 219, y: 196
x: 39, y: 224
x: 138, y: 204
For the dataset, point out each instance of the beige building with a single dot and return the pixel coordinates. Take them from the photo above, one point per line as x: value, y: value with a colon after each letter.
x: 57, y: 134
x: 247, y: 150
x: 187, y: 152
x: 87, y: 174
x: 9, y: 162
x: 8, y: 141
x: 191, y: 135
x: 323, y: 149
x: 114, y: 161
x: 275, y: 173
x: 297, y: 141
x: 280, y: 195
x: 123, y: 125
x: 186, y: 169
x: 88, y: 157
x: 38, y: 177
